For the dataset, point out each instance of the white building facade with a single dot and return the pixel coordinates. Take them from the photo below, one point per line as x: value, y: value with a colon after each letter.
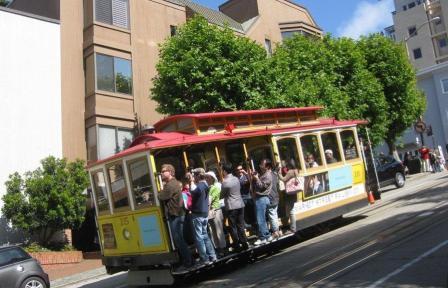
x: 30, y: 95
x: 423, y: 28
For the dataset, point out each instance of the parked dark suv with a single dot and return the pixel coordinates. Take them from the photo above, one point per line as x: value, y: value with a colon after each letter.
x: 19, y: 270
x: 390, y: 171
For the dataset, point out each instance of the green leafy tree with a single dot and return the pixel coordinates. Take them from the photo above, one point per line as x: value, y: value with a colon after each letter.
x: 328, y: 72
x: 47, y: 199
x: 206, y: 68
x: 4, y: 2
x: 389, y: 63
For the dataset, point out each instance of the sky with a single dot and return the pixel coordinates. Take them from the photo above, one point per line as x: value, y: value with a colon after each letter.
x: 349, y: 18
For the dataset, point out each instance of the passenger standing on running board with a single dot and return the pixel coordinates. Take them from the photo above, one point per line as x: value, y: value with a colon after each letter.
x: 199, y: 209
x: 231, y: 192
x: 171, y: 196
x: 262, y: 186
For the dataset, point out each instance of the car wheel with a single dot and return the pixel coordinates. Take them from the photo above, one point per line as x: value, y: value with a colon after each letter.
x: 399, y: 179
x: 33, y: 282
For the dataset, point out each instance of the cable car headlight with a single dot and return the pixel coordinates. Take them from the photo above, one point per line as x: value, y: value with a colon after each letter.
x: 126, y: 234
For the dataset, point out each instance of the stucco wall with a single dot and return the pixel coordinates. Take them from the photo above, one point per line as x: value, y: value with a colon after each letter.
x: 30, y: 95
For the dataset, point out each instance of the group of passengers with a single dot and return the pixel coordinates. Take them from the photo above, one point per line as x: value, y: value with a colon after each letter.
x: 242, y: 197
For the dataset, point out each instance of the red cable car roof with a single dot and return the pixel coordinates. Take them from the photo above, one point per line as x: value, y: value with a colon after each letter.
x: 177, y: 139
x: 173, y: 118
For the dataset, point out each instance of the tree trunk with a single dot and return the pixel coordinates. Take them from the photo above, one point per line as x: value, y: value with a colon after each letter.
x: 393, y: 149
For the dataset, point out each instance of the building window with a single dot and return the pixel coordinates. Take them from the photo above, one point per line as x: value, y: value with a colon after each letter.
x: 112, y: 140
x: 113, y: 74
x: 417, y: 53
x: 444, y: 86
x: 411, y: 5
x: 442, y: 42
x: 173, y: 30
x: 113, y: 12
x: 412, y: 31
x: 268, y: 46
x: 419, y: 2
x: 405, y: 7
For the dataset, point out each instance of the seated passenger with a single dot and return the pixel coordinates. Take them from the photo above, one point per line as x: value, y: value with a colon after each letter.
x: 329, y: 156
x: 309, y: 161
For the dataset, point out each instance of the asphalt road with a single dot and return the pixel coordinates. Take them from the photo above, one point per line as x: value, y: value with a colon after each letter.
x: 401, y: 241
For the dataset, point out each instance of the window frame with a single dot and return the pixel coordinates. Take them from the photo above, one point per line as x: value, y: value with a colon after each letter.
x: 320, y: 146
x: 128, y: 13
x: 358, y: 150
x: 106, y: 182
x: 268, y: 46
x: 443, y: 87
x: 339, y: 144
x: 300, y: 160
x: 414, y: 51
x: 128, y: 207
x: 116, y: 128
x: 134, y: 158
x: 414, y: 31
x: 131, y: 94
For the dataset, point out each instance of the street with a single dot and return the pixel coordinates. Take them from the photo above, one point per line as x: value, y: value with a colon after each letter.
x: 401, y: 241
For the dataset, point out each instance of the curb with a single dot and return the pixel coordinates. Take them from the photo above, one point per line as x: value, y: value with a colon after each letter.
x: 76, y: 278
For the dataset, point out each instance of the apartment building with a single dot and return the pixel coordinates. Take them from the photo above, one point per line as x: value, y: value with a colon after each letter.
x: 30, y: 89
x: 422, y: 25
x: 109, y: 50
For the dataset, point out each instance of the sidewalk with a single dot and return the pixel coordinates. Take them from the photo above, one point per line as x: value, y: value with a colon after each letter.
x: 65, y: 274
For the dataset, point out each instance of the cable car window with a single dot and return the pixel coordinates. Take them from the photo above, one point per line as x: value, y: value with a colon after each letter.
x: 349, y: 145
x: 259, y: 154
x: 311, y: 151
x: 235, y: 153
x: 289, y: 155
x: 118, y: 186
x: 331, y: 147
x: 171, y: 156
x: 141, y: 182
x: 99, y: 188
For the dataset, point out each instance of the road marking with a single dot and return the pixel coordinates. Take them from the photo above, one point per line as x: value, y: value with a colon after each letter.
x: 407, y: 265
x: 425, y: 214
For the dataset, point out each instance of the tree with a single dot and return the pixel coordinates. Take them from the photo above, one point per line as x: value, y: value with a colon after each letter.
x: 389, y: 63
x: 4, y: 2
x: 207, y: 68
x: 47, y: 199
x: 328, y: 72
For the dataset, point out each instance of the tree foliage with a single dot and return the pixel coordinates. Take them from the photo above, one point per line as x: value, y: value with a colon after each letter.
x: 206, y: 68
x: 389, y: 63
x: 47, y: 199
x: 4, y: 2
x: 328, y: 72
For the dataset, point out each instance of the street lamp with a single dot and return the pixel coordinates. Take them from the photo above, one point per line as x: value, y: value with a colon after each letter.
x: 437, y: 18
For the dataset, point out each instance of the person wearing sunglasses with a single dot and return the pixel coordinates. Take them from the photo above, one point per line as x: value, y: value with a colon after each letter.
x: 171, y: 197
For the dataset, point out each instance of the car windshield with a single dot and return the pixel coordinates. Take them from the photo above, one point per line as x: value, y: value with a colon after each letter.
x: 13, y: 255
